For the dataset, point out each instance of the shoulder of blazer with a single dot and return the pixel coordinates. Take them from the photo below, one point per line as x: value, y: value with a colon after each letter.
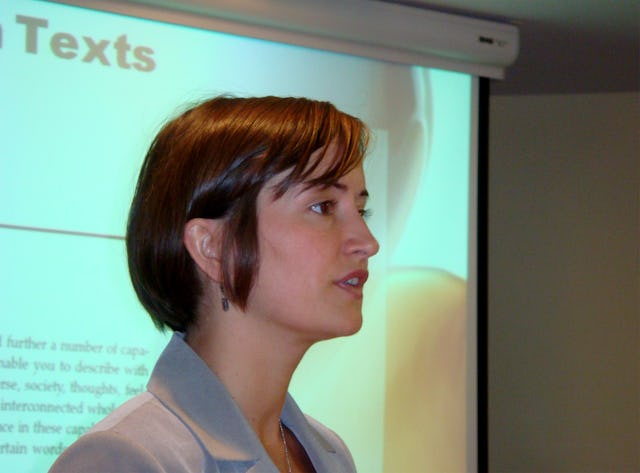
x: 140, y: 436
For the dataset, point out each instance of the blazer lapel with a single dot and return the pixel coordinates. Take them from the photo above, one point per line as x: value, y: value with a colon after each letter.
x: 321, y: 453
x: 188, y: 388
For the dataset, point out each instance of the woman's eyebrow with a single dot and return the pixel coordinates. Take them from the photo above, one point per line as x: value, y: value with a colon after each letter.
x: 364, y: 193
x: 342, y: 187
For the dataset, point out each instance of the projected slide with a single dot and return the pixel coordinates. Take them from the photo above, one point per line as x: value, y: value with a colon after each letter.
x: 83, y: 93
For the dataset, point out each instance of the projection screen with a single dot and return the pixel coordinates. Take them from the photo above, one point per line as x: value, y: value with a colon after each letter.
x: 83, y: 93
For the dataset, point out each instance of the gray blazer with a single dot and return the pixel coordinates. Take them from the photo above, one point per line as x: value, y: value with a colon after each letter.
x: 186, y: 421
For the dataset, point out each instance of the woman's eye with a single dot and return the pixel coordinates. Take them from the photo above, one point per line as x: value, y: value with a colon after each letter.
x: 323, y: 208
x: 365, y: 213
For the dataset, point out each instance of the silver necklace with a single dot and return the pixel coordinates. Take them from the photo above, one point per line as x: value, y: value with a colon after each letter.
x: 286, y: 450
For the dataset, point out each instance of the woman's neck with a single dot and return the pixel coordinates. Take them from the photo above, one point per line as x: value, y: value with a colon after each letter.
x: 254, y: 360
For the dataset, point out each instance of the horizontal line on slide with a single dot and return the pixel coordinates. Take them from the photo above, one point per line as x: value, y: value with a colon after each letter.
x: 60, y: 231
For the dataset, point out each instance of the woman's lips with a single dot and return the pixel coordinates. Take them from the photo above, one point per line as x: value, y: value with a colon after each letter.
x: 353, y: 282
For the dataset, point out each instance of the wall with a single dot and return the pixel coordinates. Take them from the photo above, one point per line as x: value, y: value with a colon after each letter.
x: 564, y: 283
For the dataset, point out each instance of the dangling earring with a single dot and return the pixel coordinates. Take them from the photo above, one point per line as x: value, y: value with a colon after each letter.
x: 224, y: 300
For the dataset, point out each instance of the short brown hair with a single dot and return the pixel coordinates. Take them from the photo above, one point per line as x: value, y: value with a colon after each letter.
x: 211, y: 162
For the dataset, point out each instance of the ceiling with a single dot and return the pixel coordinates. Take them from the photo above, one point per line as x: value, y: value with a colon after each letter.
x: 566, y: 46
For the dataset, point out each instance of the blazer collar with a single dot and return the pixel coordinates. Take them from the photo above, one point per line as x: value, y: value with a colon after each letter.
x: 188, y: 388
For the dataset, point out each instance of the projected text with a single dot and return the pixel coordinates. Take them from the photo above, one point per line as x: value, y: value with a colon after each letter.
x: 52, y: 388
x: 64, y: 45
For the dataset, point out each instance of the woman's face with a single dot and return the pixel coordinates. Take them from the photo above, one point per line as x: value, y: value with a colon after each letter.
x: 314, y: 246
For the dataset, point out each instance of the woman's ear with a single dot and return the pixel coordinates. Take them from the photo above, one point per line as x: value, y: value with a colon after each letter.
x: 203, y: 240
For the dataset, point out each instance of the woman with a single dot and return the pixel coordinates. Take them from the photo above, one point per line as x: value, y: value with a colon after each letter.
x: 247, y: 238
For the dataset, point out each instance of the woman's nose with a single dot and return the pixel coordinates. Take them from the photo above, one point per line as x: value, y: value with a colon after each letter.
x: 360, y: 240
